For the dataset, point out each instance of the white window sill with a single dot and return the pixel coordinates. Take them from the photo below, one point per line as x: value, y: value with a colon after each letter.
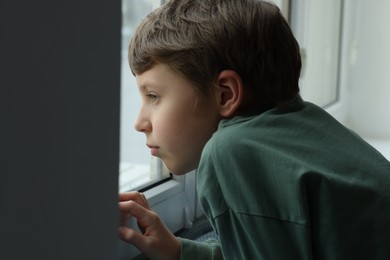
x: 133, y: 175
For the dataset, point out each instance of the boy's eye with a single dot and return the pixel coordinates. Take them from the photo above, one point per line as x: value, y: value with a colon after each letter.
x: 152, y: 96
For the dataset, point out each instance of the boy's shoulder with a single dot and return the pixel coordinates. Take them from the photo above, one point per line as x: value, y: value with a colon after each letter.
x: 273, y: 117
x: 242, y: 130
x: 296, y: 122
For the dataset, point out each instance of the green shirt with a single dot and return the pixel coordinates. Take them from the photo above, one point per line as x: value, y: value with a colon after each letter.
x: 293, y: 183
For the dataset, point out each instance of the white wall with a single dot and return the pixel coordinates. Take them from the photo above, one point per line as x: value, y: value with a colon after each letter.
x: 369, y: 70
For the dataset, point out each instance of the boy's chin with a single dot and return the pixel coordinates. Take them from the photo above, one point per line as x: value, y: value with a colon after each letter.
x: 179, y: 171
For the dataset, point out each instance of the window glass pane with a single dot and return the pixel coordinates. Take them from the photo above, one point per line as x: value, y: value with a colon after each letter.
x: 137, y: 167
x: 319, y: 37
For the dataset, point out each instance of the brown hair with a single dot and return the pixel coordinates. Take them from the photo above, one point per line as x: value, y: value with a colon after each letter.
x: 200, y: 38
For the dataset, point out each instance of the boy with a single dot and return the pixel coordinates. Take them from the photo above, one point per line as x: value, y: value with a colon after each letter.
x: 278, y: 177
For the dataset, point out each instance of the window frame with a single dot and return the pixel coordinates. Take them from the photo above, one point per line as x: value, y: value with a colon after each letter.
x: 300, y: 8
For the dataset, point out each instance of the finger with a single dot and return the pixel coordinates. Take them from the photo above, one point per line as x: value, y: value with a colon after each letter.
x: 135, y: 196
x: 131, y: 195
x: 124, y: 217
x: 129, y: 208
x: 145, y: 217
x: 129, y: 235
x: 155, y: 240
x: 133, y: 208
x: 135, y: 238
x: 124, y: 207
x: 127, y: 195
x: 142, y: 195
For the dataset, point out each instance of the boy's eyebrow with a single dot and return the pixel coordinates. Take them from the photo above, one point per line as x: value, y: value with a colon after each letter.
x: 144, y: 86
x: 147, y: 85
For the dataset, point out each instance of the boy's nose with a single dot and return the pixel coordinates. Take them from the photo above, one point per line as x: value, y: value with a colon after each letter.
x: 142, y: 124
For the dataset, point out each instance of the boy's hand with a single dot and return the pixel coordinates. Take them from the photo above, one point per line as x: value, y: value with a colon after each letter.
x: 155, y: 241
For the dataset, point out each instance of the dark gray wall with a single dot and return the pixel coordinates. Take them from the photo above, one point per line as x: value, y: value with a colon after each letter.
x: 59, y: 128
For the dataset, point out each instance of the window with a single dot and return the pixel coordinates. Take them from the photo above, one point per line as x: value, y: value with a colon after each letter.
x: 137, y: 168
x: 317, y: 26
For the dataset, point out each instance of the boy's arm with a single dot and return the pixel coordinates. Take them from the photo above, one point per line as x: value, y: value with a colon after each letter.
x: 193, y: 250
x: 155, y: 241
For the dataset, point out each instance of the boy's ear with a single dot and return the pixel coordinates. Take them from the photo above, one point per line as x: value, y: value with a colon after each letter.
x: 229, y: 92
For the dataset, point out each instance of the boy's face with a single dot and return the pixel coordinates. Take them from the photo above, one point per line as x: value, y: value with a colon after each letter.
x: 176, y: 127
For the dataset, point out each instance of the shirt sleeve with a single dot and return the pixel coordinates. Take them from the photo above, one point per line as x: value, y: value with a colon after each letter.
x: 194, y: 250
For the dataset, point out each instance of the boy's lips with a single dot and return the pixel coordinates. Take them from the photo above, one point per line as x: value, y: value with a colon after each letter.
x: 153, y: 149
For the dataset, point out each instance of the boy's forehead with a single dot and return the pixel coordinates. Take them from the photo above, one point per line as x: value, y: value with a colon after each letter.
x: 144, y: 83
x: 158, y: 75
x: 148, y: 78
